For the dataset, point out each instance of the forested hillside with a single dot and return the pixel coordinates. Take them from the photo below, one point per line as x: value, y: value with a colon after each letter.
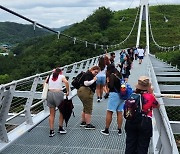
x: 103, y: 27
x: 12, y: 33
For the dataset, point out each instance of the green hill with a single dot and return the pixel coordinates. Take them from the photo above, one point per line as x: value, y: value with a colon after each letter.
x: 12, y: 33
x: 102, y: 27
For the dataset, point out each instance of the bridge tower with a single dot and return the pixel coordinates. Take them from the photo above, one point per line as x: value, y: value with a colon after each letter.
x: 144, y: 15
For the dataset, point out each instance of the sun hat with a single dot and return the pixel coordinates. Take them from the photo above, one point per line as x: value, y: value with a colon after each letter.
x: 143, y: 83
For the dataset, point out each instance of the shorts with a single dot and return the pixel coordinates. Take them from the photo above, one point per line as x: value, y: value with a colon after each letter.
x: 85, y: 94
x: 54, y: 99
x: 141, y: 57
x: 101, y: 80
x: 115, y: 103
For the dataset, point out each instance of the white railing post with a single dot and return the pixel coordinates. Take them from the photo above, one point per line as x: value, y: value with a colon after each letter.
x: 29, y: 101
x: 4, y: 110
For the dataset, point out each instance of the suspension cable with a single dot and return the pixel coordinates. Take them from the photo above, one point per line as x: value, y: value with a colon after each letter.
x: 132, y: 27
x: 157, y: 45
x: 60, y: 33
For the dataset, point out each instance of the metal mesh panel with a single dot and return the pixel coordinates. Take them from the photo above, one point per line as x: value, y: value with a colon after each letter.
x: 173, y: 113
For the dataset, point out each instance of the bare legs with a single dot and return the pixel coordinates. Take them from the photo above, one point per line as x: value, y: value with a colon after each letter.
x: 99, y: 90
x: 140, y: 61
x: 86, y: 117
x: 52, y: 117
x: 109, y: 119
x: 119, y: 119
x: 61, y: 119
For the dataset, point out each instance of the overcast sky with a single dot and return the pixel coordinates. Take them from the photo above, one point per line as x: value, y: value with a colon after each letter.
x: 58, y: 13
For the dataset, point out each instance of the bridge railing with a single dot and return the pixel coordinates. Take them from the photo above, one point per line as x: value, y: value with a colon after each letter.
x: 163, y: 141
x: 21, y: 106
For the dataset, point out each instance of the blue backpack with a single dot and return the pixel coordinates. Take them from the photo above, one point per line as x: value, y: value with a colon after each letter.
x: 125, y: 90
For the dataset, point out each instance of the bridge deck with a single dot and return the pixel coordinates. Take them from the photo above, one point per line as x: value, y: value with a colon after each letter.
x: 77, y: 140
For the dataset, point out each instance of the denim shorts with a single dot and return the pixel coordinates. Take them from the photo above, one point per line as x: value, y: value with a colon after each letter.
x: 101, y: 80
x: 115, y: 103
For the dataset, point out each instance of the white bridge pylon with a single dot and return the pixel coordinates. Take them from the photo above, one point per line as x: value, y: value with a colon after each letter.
x: 144, y: 12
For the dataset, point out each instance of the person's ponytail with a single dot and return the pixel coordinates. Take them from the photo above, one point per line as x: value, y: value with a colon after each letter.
x: 56, y: 74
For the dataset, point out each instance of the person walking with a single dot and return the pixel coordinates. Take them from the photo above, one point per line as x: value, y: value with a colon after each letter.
x: 101, y: 79
x: 139, y: 131
x: 85, y: 93
x: 126, y: 67
x: 112, y: 58
x: 131, y: 54
x: 135, y: 53
x: 115, y: 104
x: 122, y: 56
x: 55, y: 96
x: 140, y: 51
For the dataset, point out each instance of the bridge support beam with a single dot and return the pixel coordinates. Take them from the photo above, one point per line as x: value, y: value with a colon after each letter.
x: 4, y: 109
x: 144, y: 9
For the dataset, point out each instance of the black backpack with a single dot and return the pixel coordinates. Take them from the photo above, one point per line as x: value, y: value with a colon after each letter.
x: 133, y: 107
x: 78, y: 80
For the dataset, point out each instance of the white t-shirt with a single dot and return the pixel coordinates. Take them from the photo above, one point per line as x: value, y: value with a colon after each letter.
x: 140, y: 52
x: 56, y: 84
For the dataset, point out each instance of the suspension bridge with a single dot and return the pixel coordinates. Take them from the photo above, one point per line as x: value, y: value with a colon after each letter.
x: 26, y: 130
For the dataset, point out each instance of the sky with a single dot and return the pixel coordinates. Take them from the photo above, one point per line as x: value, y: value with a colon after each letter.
x: 58, y: 13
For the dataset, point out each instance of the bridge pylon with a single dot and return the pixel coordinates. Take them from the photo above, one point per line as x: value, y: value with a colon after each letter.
x: 144, y: 15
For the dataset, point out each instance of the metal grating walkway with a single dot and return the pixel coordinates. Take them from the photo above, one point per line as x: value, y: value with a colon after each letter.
x: 77, y: 140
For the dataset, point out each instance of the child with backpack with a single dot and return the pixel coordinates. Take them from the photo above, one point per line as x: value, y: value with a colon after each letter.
x: 138, y: 124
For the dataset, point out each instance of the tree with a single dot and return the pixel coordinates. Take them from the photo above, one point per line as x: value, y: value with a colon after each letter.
x: 102, y: 16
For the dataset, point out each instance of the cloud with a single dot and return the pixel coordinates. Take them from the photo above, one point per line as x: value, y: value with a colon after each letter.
x: 57, y: 13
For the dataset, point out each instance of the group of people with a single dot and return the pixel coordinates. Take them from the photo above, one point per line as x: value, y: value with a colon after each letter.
x: 106, y: 78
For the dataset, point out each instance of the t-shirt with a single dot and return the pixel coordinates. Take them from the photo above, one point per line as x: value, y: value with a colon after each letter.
x: 88, y: 76
x: 149, y: 102
x: 140, y: 52
x: 114, y: 83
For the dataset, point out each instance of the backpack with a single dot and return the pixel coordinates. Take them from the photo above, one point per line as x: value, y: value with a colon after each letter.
x: 125, y: 89
x: 77, y: 81
x: 133, y: 107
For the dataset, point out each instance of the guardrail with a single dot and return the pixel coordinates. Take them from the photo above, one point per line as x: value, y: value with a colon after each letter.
x: 21, y: 107
x: 163, y: 141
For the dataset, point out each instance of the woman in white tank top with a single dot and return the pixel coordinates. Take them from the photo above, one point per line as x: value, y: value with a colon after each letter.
x: 54, y: 98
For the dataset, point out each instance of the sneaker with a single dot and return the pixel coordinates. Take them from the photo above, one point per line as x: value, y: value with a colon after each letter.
x: 83, y: 124
x: 105, y: 132
x: 106, y: 95
x: 98, y: 100
x: 119, y: 132
x: 62, y: 131
x: 52, y: 133
x: 90, y: 126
